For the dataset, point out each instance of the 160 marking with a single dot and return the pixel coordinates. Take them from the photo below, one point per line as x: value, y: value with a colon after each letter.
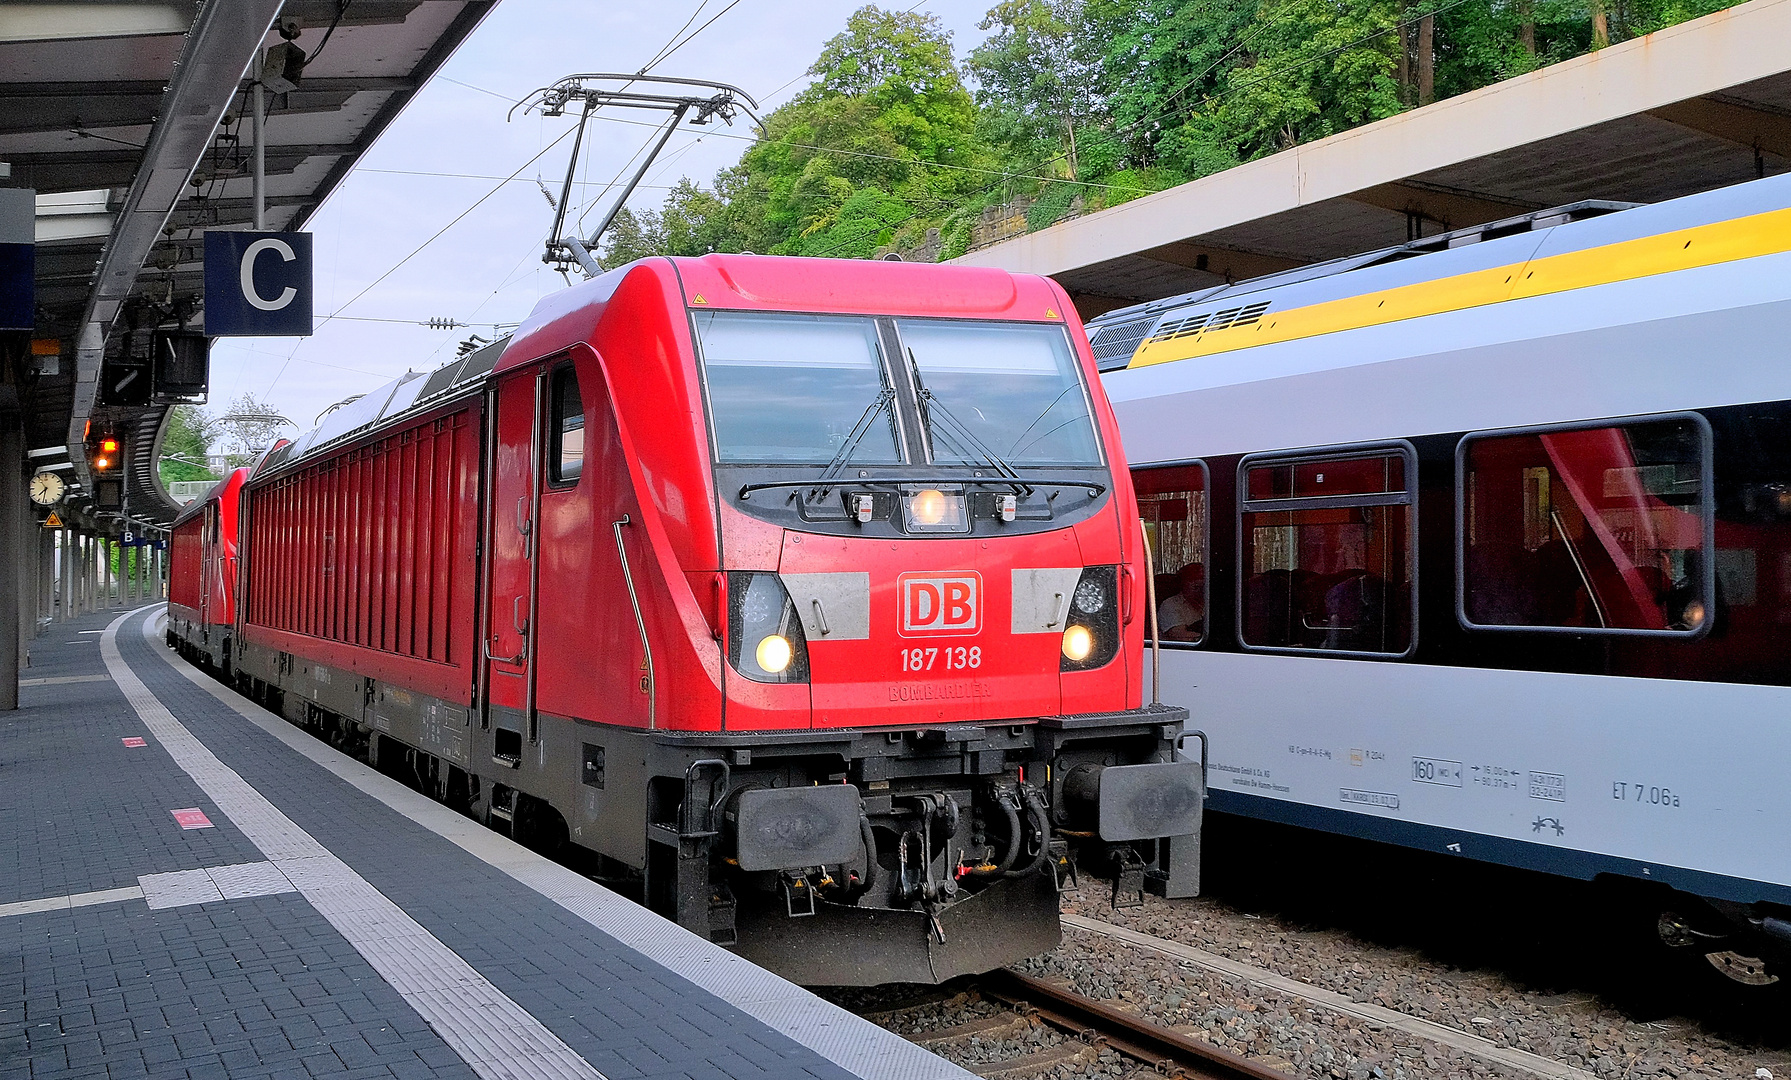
x: 956, y: 657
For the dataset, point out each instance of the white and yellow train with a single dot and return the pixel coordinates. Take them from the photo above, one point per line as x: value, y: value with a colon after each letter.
x: 1482, y: 545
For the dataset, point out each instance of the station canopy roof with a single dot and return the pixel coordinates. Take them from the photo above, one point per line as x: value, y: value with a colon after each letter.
x: 1700, y: 105
x: 131, y: 121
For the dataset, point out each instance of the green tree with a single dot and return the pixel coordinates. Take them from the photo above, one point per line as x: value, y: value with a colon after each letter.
x: 632, y: 235
x: 185, y: 444
x: 1312, y: 68
x: 844, y: 166
x: 1087, y: 103
x: 1165, y: 59
x: 870, y: 143
x: 1039, y: 79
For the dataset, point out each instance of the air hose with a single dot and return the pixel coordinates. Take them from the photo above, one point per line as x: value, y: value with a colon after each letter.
x: 1014, y: 836
x: 870, y: 852
x: 1041, y: 823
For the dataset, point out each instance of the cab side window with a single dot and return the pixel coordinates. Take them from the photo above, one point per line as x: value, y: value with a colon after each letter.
x: 1172, y: 500
x: 566, y: 428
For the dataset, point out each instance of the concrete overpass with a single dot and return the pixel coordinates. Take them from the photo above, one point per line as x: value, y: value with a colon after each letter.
x: 1696, y: 106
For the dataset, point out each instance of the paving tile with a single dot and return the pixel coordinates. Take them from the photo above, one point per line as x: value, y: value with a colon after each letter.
x: 256, y: 983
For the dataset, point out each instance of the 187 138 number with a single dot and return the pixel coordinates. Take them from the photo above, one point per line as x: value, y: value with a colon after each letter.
x: 954, y: 658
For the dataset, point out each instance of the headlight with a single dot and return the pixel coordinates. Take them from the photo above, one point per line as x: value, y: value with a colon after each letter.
x: 933, y: 511
x: 1091, y: 632
x: 774, y: 653
x: 765, y: 639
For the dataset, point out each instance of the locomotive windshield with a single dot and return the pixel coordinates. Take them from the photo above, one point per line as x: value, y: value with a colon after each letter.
x: 1014, y: 386
x: 788, y: 389
x: 793, y: 389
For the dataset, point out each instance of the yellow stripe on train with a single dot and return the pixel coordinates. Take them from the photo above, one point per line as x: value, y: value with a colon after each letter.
x: 1683, y: 249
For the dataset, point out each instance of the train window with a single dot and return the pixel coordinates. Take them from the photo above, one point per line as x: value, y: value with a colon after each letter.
x: 1325, y: 547
x: 566, y: 428
x: 792, y: 389
x: 1172, y: 500
x: 1587, y: 529
x: 1014, y: 388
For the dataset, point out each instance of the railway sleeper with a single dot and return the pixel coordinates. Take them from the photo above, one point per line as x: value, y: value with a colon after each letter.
x: 1001, y: 1027
x: 1075, y: 1055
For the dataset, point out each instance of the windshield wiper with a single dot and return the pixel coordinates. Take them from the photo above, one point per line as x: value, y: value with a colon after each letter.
x: 1094, y: 489
x: 962, y: 435
x: 859, y: 430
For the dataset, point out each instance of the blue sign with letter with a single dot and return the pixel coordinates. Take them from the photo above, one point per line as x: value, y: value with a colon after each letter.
x: 257, y: 284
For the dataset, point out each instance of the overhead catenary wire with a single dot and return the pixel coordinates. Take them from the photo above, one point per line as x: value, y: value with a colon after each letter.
x: 414, y: 252
x: 457, y: 323
x: 1004, y: 175
x: 666, y: 53
x: 672, y: 45
x: 489, y: 176
x: 660, y: 55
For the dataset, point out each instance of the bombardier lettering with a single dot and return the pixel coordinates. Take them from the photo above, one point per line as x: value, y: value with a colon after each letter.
x: 938, y: 691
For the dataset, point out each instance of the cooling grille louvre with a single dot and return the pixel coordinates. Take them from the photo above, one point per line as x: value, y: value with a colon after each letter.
x: 1208, y: 321
x: 1114, y: 345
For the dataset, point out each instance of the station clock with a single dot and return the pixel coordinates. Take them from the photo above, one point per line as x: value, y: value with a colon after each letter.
x: 48, y: 488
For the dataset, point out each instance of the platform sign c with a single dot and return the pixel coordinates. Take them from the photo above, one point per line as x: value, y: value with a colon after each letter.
x: 257, y: 284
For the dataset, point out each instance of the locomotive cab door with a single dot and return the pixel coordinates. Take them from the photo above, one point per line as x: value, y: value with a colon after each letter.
x: 510, y: 610
x: 207, y: 523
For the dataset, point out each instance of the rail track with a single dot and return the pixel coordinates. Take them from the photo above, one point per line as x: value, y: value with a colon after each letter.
x: 1009, y: 1012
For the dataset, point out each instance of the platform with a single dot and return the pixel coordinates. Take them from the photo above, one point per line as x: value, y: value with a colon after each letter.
x: 233, y: 898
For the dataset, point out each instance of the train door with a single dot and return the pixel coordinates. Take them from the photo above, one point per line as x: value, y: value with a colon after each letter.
x: 208, y: 532
x: 510, y: 607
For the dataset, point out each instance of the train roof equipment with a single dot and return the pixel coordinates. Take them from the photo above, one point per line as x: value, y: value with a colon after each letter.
x: 1551, y: 251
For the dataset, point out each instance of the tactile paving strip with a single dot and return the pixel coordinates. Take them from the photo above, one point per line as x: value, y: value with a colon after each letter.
x: 841, y: 1037
x: 496, y: 1037
x: 236, y: 882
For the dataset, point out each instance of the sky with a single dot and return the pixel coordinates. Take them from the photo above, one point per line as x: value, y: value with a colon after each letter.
x: 452, y: 146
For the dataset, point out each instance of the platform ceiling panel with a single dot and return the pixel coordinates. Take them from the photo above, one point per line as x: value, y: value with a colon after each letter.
x: 84, y: 89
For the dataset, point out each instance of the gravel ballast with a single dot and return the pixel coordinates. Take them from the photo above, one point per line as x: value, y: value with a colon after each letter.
x: 1577, y: 1029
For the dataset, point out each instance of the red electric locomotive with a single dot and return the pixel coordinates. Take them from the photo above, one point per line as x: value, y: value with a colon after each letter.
x: 202, y: 573
x: 807, y: 594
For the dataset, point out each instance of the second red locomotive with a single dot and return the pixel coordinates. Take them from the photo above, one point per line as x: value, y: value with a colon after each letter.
x: 807, y: 594
x: 202, y: 565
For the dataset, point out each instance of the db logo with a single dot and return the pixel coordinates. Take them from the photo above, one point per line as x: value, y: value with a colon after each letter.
x: 943, y: 604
